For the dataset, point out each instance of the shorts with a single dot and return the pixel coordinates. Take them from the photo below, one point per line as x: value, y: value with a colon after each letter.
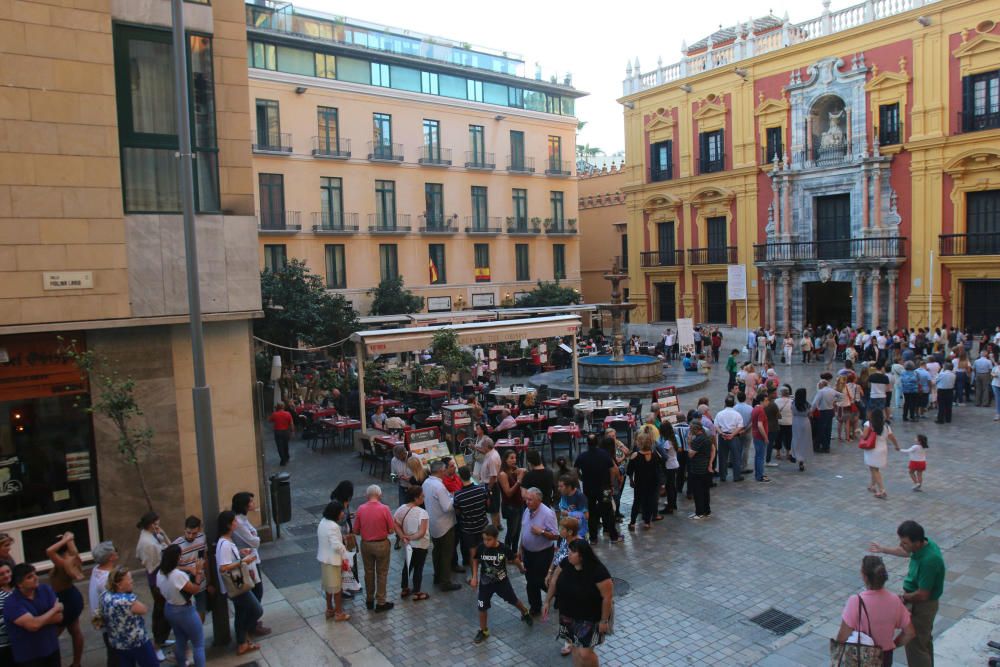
x: 494, y: 503
x: 72, y: 601
x: 331, y: 577
x: 501, y: 588
x: 918, y: 465
x: 877, y: 403
x: 579, y: 633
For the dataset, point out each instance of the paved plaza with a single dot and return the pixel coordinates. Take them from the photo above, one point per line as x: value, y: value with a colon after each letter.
x: 685, y: 591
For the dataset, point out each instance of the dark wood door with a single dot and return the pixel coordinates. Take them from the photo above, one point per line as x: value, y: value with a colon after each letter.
x: 717, y: 241
x: 666, y: 302
x: 716, y: 303
x: 981, y: 308
x: 833, y: 227
x: 983, y: 222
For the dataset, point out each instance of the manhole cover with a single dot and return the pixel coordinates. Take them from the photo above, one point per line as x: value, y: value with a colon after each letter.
x: 622, y: 587
x: 777, y: 621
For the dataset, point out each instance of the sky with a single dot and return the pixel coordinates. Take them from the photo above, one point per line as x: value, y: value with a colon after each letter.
x: 593, y: 41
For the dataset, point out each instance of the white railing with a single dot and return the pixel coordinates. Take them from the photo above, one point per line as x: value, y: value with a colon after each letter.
x: 748, y: 45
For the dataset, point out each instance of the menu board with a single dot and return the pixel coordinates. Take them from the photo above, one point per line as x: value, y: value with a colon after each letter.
x: 666, y: 398
x: 429, y: 451
x: 455, y: 415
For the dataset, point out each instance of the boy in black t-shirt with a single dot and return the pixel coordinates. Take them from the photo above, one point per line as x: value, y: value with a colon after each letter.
x: 489, y: 575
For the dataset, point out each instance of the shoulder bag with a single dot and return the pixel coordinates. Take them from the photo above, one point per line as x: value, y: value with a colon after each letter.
x: 868, y: 442
x: 861, y: 652
x: 237, y: 581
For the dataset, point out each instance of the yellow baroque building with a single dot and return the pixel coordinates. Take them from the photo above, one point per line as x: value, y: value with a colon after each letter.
x: 850, y: 162
x: 380, y: 153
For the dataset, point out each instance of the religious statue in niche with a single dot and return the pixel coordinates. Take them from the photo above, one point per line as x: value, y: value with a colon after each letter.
x: 834, y: 135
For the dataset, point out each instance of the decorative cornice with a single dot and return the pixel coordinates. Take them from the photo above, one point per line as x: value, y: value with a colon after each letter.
x: 977, y: 159
x: 979, y: 44
x: 882, y: 80
x: 662, y: 119
x: 772, y: 105
x: 710, y: 107
x: 601, y: 200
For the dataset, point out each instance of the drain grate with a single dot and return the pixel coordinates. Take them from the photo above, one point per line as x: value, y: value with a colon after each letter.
x: 622, y: 587
x: 777, y: 621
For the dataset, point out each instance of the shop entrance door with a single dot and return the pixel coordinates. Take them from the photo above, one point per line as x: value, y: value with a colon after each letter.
x: 828, y: 303
x: 716, y: 303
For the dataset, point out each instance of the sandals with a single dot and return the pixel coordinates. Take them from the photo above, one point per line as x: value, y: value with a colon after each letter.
x: 881, y: 496
x: 417, y: 597
x: 246, y: 648
x: 338, y: 616
x: 405, y: 593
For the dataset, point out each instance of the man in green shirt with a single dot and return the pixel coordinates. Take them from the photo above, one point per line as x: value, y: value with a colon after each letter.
x: 922, y: 587
x: 732, y: 365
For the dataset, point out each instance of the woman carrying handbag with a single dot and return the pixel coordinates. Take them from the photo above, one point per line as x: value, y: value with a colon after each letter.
x: 869, y: 623
x: 238, y: 574
x: 874, y: 441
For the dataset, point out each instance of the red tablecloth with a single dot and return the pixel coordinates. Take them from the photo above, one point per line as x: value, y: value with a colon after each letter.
x: 572, y: 429
x: 511, y: 443
x: 384, y: 402
x: 430, y: 393
x: 531, y: 419
x: 389, y: 441
x: 556, y: 402
x: 433, y: 419
x: 610, y: 419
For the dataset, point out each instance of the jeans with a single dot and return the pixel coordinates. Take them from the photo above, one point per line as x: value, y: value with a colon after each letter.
x: 281, y: 439
x: 186, y: 624
x: 773, y: 442
x: 759, y: 450
x: 736, y: 457
x: 996, y: 396
x: 512, y: 514
x: 143, y: 656
x: 375, y: 556
x: 723, y: 456
x: 444, y: 547
x: 599, y: 507
x: 246, y: 612
x: 700, y: 485
x: 961, y: 379
x: 415, y: 570
x: 536, y: 566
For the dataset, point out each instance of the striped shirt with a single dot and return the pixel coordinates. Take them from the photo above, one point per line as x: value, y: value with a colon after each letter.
x: 681, y: 432
x: 470, y: 503
x: 191, y: 552
x: 4, y: 638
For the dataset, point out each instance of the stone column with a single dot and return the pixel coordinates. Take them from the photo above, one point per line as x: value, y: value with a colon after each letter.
x: 848, y: 131
x: 809, y: 138
x: 765, y: 278
x: 876, y: 280
x: 786, y: 305
x: 786, y: 205
x: 772, y: 303
x: 878, y: 199
x: 891, y: 275
x: 776, y: 198
x: 859, y: 299
x: 865, y: 205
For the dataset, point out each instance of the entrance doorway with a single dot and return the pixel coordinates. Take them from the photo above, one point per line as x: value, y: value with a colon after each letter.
x: 716, y: 302
x: 666, y: 302
x: 828, y: 303
x: 980, y: 307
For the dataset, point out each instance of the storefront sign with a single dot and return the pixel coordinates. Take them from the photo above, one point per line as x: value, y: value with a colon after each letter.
x: 437, y: 304
x: 68, y: 280
x: 36, y: 369
x: 483, y: 300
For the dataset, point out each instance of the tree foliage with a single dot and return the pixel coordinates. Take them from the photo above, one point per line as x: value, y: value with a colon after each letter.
x: 392, y: 298
x: 115, y: 400
x: 446, y: 351
x: 549, y: 294
x: 298, y: 307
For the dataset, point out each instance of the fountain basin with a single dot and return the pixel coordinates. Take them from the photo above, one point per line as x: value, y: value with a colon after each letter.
x: 634, y: 369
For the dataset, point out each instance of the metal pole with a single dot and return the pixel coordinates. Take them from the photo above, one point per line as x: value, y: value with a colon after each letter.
x: 576, y: 370
x: 359, y: 350
x: 200, y: 393
x: 930, y: 290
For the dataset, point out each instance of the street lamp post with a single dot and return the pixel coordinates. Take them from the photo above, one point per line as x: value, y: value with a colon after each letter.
x: 201, y: 395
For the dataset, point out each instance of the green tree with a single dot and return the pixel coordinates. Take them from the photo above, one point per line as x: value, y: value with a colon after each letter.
x: 446, y: 351
x: 298, y: 307
x: 392, y: 298
x: 115, y: 400
x: 549, y: 294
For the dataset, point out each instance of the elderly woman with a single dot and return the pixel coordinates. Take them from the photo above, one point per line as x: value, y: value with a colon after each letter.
x: 122, y: 616
x: 644, y: 469
x: 876, y: 612
x: 330, y: 553
x: 583, y: 589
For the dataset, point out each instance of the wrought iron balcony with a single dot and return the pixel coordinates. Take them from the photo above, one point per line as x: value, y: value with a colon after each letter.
x: 829, y: 156
x: 558, y: 167
x: 523, y: 226
x: 953, y: 245
x: 389, y: 224
x: 520, y: 165
x: 480, y: 160
x: 274, y: 143
x: 278, y: 222
x: 385, y: 152
x: 335, y: 223
x: 661, y: 258
x: 712, y: 166
x: 435, y: 156
x: 969, y: 121
x: 656, y: 174
x: 805, y: 251
x: 567, y: 226
x: 437, y: 224
x: 702, y: 256
x: 767, y: 154
x: 332, y: 147
x: 481, y: 225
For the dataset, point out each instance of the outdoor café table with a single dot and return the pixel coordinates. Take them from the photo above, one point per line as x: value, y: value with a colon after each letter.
x: 432, y: 420
x: 587, y: 407
x: 389, y: 440
x: 384, y: 402
x: 519, y: 445
x: 572, y: 429
x: 343, y: 425
x: 530, y: 419
x: 611, y: 419
x: 517, y: 392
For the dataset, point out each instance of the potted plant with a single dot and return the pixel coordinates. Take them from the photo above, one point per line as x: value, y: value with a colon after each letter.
x: 572, y: 223
x: 536, y: 224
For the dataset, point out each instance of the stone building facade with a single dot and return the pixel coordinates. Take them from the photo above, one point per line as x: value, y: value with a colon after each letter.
x: 603, y: 221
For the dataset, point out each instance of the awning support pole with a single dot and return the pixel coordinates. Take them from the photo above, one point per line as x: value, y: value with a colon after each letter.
x: 359, y: 348
x: 576, y: 370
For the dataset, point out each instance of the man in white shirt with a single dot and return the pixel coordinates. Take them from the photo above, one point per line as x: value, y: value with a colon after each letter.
x: 507, y: 422
x: 441, y: 511
x: 728, y: 426
x: 106, y: 557
x: 945, y: 382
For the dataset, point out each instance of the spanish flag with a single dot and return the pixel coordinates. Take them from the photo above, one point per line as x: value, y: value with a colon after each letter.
x: 482, y: 274
x: 433, y: 272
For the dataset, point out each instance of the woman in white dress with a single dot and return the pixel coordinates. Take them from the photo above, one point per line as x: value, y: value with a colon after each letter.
x: 878, y: 457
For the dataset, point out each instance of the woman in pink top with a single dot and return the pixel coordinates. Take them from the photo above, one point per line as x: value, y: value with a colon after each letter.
x: 883, y: 613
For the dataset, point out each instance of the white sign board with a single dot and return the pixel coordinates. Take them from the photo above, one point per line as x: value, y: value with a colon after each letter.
x: 737, y: 281
x: 685, y: 331
x: 68, y: 280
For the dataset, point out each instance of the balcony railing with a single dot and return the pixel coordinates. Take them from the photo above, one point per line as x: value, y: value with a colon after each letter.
x: 987, y: 243
x: 385, y: 152
x: 524, y: 226
x: 767, y: 154
x: 712, y: 166
x: 521, y: 165
x: 481, y: 225
x: 280, y: 222
x: 480, y: 160
x: 661, y: 258
x: 560, y: 227
x: 701, y: 256
x: 798, y: 251
x: 335, y: 223
x: 829, y: 156
x: 657, y: 175
x: 271, y: 142
x: 332, y: 147
x: 437, y: 224
x: 435, y: 156
x: 389, y: 224
x: 558, y: 167
x: 969, y: 121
